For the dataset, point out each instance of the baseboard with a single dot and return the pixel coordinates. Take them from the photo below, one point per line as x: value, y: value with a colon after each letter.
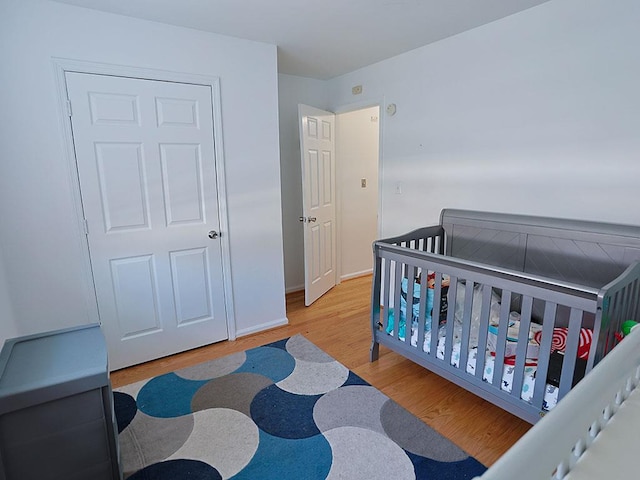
x: 363, y: 273
x: 261, y: 327
x: 297, y: 288
x: 357, y: 274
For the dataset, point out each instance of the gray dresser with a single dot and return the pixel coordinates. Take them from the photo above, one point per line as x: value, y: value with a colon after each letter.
x: 56, y: 407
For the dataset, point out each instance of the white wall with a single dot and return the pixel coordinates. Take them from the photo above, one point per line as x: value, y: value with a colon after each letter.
x: 39, y: 236
x: 293, y: 90
x: 536, y: 113
x: 357, y: 134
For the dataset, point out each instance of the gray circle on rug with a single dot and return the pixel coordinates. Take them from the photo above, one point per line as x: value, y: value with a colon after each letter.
x: 302, y: 349
x: 148, y: 440
x: 213, y: 368
x: 352, y: 406
x: 235, y: 391
x: 359, y: 453
x: 416, y: 437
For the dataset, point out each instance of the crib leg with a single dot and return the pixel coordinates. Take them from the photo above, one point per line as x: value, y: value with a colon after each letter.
x: 374, y: 351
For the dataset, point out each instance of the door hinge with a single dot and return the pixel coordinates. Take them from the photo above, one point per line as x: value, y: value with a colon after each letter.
x: 68, y: 103
x: 85, y: 225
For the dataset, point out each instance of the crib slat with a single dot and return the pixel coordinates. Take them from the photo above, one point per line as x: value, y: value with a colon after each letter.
x: 422, y: 310
x: 607, y: 332
x: 628, y: 302
x: 622, y: 303
x: 435, y: 328
x: 448, y: 344
x: 636, y: 310
x: 397, y: 289
x: 466, y: 325
x: 632, y: 304
x: 548, y: 323
x: 386, y: 293
x: 426, y: 244
x: 635, y: 293
x: 483, y: 331
x: 435, y: 317
x: 523, y: 344
x: 505, y: 307
x: 411, y: 275
x: 571, y: 350
x: 615, y: 313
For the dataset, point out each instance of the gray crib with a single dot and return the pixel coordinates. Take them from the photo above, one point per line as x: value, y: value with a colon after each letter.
x: 463, y: 282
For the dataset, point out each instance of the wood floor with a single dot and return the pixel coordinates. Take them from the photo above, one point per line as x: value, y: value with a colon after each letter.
x: 338, y: 323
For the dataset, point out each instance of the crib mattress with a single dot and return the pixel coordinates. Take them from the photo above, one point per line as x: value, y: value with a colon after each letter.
x: 550, y: 393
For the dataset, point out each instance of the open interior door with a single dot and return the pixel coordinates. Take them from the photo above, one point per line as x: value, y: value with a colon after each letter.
x: 317, y: 149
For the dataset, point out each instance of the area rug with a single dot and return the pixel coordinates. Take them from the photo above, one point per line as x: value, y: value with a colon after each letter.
x: 285, y: 411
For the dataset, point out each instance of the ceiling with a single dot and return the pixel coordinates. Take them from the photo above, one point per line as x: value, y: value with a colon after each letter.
x: 323, y: 39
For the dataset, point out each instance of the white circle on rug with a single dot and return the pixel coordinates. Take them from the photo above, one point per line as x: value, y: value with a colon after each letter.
x: 225, y: 439
x: 311, y: 378
x: 359, y: 453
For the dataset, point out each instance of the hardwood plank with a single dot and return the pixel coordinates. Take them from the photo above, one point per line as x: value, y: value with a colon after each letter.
x: 339, y: 324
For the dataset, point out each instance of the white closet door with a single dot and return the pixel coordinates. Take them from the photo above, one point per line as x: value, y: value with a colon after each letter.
x: 145, y: 157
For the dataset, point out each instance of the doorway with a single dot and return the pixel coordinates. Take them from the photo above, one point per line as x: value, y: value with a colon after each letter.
x: 339, y: 171
x: 357, y: 179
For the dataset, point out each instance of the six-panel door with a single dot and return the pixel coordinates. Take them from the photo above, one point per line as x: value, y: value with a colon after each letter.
x: 146, y: 163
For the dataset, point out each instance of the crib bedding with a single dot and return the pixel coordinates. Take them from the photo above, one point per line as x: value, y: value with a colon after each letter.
x: 529, y: 375
x: 529, y: 379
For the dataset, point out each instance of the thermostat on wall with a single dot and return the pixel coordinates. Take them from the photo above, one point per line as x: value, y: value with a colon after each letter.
x: 391, y: 109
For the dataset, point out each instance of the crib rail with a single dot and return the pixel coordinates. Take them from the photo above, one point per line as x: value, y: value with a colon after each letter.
x: 618, y: 301
x: 394, y: 263
x: 429, y: 239
x: 552, y: 448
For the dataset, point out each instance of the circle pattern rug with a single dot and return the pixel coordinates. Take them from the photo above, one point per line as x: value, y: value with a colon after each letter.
x: 285, y: 411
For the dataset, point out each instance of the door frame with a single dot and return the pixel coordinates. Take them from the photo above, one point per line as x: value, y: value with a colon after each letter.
x: 61, y: 67
x: 346, y: 108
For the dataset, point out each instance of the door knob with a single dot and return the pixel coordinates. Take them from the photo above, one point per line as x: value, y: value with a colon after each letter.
x: 213, y: 234
x: 311, y: 219
x: 307, y: 219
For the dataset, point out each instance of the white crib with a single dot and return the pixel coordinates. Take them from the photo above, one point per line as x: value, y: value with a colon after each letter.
x: 594, y: 433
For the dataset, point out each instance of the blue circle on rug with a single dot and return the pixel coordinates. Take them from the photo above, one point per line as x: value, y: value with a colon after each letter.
x: 168, y: 396
x: 273, y: 363
x: 354, y: 379
x: 460, y: 470
x: 283, y: 414
x: 288, y: 459
x: 177, y: 470
x: 282, y: 344
x: 125, y: 408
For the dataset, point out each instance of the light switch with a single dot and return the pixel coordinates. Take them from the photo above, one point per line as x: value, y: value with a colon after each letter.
x: 363, y: 183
